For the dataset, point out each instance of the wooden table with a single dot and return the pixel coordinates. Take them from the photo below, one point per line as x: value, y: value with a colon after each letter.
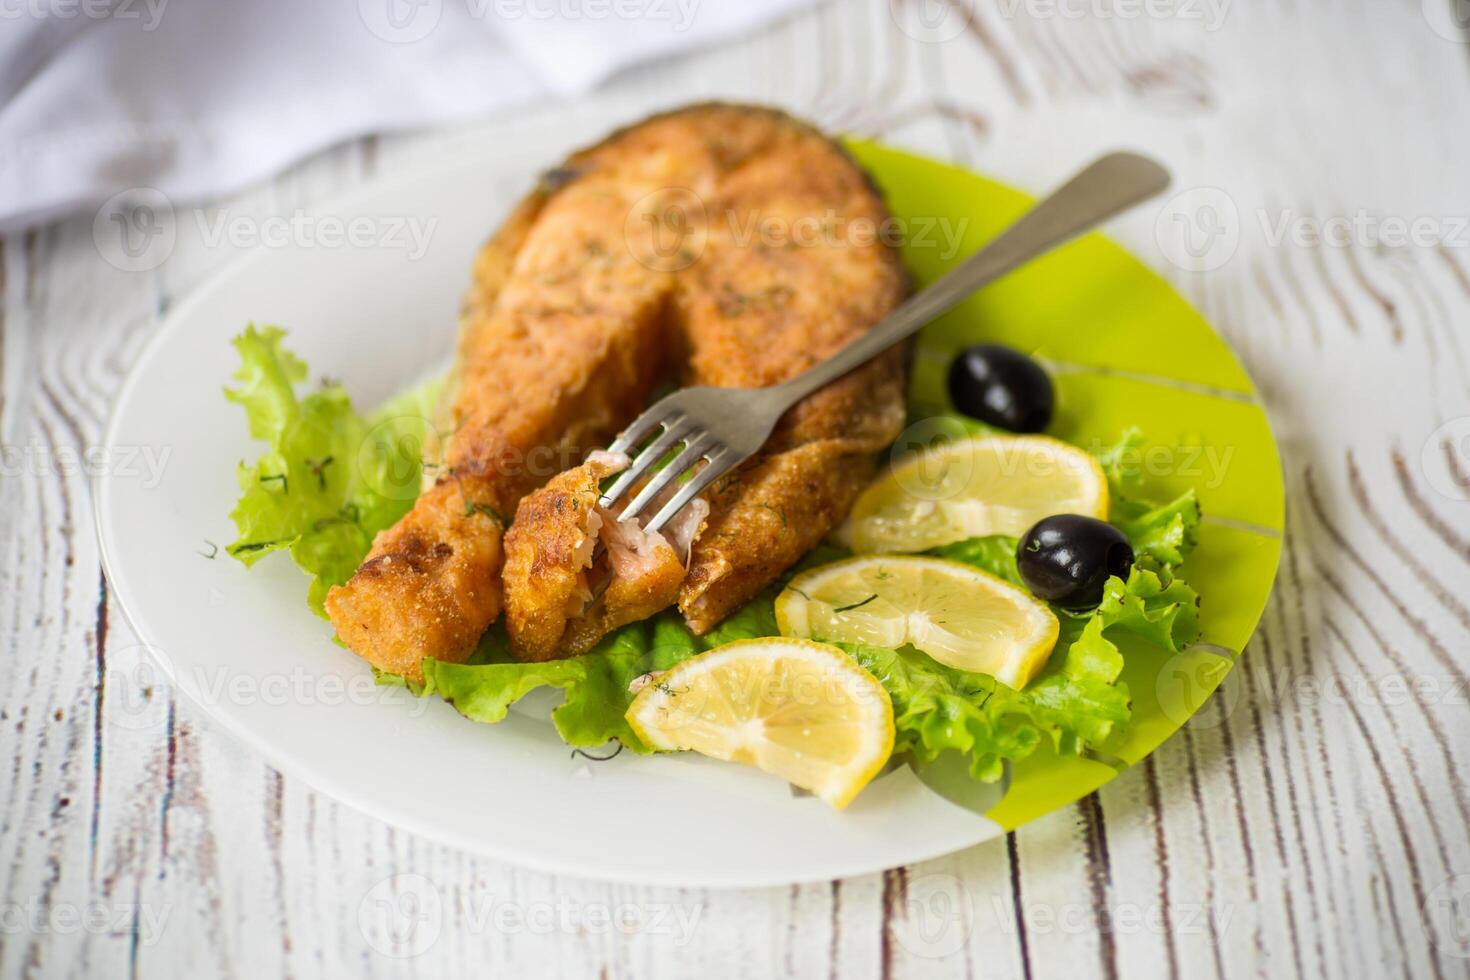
x: 1317, y: 828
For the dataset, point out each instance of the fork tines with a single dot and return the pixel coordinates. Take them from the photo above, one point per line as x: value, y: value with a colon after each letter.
x: 678, y: 429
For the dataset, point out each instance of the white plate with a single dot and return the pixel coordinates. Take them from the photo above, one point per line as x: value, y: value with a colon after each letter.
x: 246, y: 647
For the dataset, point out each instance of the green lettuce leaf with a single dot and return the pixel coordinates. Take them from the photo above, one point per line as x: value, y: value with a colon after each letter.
x: 1077, y: 699
x: 995, y: 554
x: 937, y: 708
x: 1120, y: 463
x: 595, y: 684
x: 1166, y: 533
x: 330, y: 478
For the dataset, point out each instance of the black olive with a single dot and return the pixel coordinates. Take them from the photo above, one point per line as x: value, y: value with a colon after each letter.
x: 1001, y: 387
x: 1067, y: 559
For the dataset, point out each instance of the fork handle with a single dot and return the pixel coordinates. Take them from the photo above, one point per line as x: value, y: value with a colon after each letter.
x: 1109, y: 185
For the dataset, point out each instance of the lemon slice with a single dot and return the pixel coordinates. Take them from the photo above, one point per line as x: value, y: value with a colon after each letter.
x: 973, y: 487
x: 796, y: 709
x: 956, y: 614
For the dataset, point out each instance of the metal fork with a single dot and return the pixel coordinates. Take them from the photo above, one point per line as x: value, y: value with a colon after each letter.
x: 723, y: 427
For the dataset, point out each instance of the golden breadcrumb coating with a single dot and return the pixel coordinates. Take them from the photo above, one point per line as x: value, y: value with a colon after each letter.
x: 718, y: 244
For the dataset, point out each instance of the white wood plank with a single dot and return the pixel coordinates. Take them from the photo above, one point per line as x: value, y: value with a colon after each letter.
x: 1311, y: 830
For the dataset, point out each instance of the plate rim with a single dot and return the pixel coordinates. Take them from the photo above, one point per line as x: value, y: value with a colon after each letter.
x: 340, y: 791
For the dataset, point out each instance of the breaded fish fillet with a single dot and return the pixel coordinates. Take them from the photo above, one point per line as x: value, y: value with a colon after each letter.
x: 783, y: 269
x: 588, y: 572
x: 564, y: 336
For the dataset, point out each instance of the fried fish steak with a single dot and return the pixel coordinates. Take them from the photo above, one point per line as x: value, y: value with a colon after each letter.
x: 774, y: 265
x: 589, y: 573
x: 564, y: 336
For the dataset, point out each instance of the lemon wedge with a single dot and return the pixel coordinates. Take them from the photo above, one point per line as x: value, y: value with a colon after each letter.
x: 969, y: 488
x: 799, y: 710
x: 957, y: 614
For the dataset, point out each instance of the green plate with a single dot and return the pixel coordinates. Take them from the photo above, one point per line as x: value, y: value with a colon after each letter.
x: 1126, y: 350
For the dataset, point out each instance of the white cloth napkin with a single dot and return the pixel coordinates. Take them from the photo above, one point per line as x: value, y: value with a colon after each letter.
x: 201, y: 97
